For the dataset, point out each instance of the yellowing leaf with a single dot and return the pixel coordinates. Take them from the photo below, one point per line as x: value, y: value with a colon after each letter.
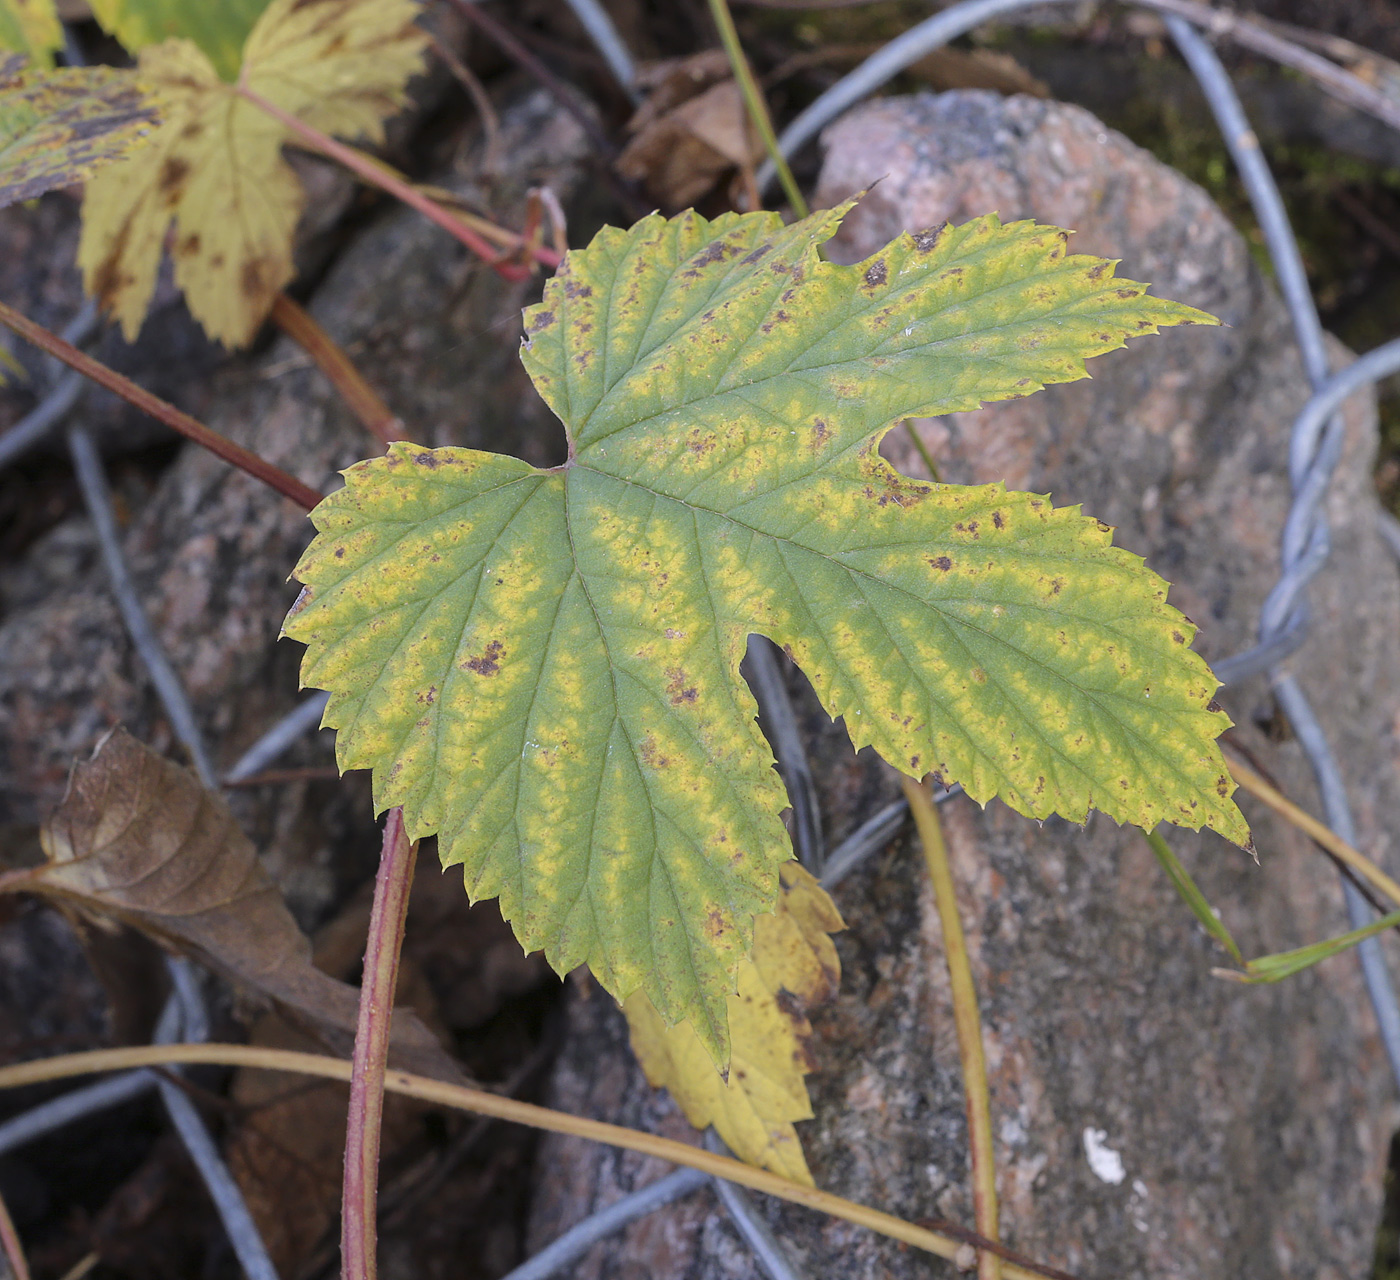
x: 57, y: 127
x: 138, y: 839
x: 218, y: 27
x: 793, y: 967
x: 30, y: 27
x: 542, y: 666
x: 216, y: 166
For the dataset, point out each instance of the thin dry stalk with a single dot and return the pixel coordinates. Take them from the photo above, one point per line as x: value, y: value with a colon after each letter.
x: 1320, y: 832
x: 361, y: 398
x: 756, y: 106
x: 483, y: 1103
x: 968, y: 1022
x: 476, y: 91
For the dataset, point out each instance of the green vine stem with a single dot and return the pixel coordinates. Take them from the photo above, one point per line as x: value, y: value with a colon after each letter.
x: 967, y: 1020
x: 177, y: 420
x: 360, y: 1189
x: 753, y: 100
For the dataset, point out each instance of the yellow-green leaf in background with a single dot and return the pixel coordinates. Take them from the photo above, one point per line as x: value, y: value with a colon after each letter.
x: 218, y: 27
x: 793, y: 968
x: 30, y: 27
x: 542, y: 666
x: 216, y: 168
x: 57, y: 127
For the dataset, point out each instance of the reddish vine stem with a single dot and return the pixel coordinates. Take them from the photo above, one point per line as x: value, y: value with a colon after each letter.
x: 361, y: 398
x: 360, y: 1190
x: 177, y: 420
x: 379, y: 176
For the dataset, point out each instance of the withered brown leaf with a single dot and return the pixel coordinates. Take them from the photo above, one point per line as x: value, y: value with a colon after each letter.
x: 138, y: 839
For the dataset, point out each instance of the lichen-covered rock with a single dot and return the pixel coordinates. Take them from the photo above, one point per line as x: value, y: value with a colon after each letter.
x: 1251, y: 1124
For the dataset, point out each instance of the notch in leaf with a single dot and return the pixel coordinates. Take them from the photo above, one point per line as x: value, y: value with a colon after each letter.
x: 542, y: 666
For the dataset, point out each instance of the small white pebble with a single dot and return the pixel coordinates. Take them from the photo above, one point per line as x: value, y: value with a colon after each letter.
x: 1106, y: 1163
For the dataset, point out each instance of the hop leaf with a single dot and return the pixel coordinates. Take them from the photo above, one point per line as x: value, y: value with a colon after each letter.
x: 30, y: 27
x: 218, y: 28
x: 793, y: 968
x: 542, y: 666
x: 216, y: 164
x: 57, y: 127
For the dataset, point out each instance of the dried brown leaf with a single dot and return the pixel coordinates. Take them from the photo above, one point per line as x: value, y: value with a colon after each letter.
x: 690, y: 130
x: 139, y: 840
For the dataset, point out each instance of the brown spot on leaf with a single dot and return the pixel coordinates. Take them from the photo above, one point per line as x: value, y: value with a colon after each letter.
x: 540, y: 320
x: 572, y: 289
x: 749, y: 259
x: 1056, y: 586
x: 998, y: 520
x: 677, y: 687
x: 876, y: 274
x: 487, y: 663
x: 942, y: 562
x: 924, y: 241
x: 427, y: 459
x: 1178, y: 638
x: 340, y: 553
x: 1213, y: 705
x: 251, y: 281
x: 715, y: 251
x: 1222, y: 786
x: 821, y: 433
x: 172, y: 177
x: 652, y: 758
x: 1099, y: 270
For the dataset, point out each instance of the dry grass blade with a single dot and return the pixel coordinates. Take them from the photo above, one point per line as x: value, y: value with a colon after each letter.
x: 536, y: 1117
x: 1320, y: 832
x: 967, y: 1020
x: 139, y: 840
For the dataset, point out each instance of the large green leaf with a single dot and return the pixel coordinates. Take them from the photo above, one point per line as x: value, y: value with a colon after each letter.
x: 58, y: 127
x: 218, y: 27
x: 543, y: 666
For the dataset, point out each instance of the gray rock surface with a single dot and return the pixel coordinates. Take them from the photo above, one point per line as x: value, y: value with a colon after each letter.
x: 1252, y: 1124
